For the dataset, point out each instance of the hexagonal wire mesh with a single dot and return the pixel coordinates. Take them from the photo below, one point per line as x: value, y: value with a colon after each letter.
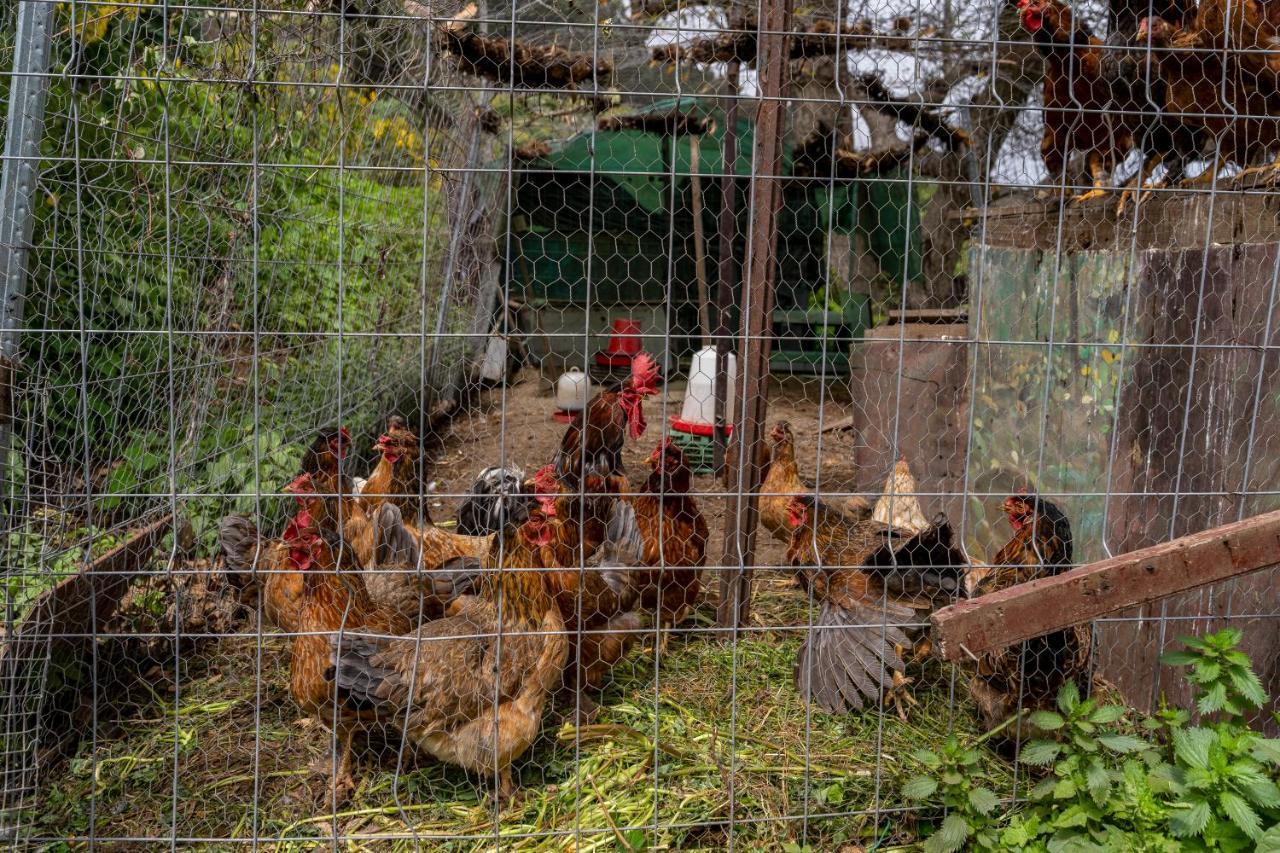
x: 257, y: 224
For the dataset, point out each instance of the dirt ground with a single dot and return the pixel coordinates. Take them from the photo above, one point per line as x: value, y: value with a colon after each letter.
x: 514, y: 426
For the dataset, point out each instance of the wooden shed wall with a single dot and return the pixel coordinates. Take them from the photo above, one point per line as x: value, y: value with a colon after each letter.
x: 1130, y: 370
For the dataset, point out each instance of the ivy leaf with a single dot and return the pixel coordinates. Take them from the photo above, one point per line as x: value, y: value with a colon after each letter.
x: 983, y: 800
x: 1071, y: 818
x: 1122, y: 744
x: 1047, y: 720
x: 1186, y: 822
x: 1040, y: 753
x: 920, y: 788
x: 1241, y: 814
x: 1191, y: 746
x: 950, y: 836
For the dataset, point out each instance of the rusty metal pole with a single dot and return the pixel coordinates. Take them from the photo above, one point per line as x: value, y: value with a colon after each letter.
x: 727, y: 266
x: 742, y: 510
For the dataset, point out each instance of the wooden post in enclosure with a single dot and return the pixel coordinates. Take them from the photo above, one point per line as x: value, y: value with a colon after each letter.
x: 728, y: 263
x: 742, y: 510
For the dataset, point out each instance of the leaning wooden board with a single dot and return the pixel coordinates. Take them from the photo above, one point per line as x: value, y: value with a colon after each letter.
x: 1108, y: 586
x: 68, y: 609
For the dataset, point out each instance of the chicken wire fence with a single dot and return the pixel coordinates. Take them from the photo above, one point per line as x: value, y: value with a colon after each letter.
x: 831, y: 228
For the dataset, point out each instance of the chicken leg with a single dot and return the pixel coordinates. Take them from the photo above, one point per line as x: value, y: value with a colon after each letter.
x: 1133, y: 186
x: 1272, y: 169
x: 1096, y: 171
x: 342, y: 784
x: 1208, y: 176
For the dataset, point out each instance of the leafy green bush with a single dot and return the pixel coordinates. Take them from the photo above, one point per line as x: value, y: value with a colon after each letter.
x: 1110, y: 783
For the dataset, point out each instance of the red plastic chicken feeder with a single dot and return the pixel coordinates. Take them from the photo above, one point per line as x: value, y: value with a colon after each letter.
x: 624, y: 344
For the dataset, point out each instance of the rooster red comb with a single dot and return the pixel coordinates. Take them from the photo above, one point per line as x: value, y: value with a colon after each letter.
x: 798, y: 510
x: 644, y: 374
x: 544, y: 479
x: 300, y: 485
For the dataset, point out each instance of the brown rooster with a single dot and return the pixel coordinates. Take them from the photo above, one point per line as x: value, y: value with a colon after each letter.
x: 1227, y: 96
x: 395, y: 479
x: 469, y: 689
x: 871, y: 579
x: 596, y: 438
x: 1076, y: 95
x: 675, y: 536
x: 1029, y: 674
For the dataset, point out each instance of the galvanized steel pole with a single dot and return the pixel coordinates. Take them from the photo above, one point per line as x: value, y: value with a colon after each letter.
x: 19, y: 173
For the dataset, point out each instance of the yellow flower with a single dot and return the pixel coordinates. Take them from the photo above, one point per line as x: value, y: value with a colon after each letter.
x: 1108, y: 356
x: 1084, y: 371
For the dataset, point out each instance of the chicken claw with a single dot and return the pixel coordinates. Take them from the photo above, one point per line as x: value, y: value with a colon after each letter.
x: 1096, y: 192
x: 898, y: 695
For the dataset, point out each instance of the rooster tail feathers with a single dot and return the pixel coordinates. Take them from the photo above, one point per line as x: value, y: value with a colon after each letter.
x: 623, y: 545
x: 238, y: 538
x: 644, y: 374
x: 621, y: 552
x: 393, y: 543
x: 456, y: 576
x: 360, y: 683
x: 848, y: 658
x: 497, y: 498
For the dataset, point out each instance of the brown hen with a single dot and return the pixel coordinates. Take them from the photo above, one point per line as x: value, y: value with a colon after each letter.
x: 470, y: 688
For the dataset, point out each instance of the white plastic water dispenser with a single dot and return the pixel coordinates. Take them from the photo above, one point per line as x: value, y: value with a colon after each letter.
x: 700, y: 397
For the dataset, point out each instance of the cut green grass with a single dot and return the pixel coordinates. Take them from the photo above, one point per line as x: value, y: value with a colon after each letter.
x: 654, y: 769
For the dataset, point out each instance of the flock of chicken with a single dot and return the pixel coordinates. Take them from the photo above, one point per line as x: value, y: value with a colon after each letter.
x: 1173, y: 81
x: 458, y: 639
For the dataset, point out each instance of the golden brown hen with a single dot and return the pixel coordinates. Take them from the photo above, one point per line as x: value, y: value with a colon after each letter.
x: 1029, y: 675
x: 782, y: 480
x: 308, y: 590
x: 409, y: 583
x: 470, y: 688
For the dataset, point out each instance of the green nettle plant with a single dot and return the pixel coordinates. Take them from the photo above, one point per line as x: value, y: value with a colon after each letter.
x: 1105, y: 782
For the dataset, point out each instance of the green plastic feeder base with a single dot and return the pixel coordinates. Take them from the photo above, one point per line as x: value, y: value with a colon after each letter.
x: 699, y: 451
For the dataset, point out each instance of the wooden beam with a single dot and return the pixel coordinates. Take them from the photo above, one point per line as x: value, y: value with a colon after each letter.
x: 80, y: 604
x: 742, y: 505
x: 1089, y: 592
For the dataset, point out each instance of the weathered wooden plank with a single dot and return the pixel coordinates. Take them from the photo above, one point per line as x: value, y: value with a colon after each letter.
x: 72, y: 606
x: 1032, y: 609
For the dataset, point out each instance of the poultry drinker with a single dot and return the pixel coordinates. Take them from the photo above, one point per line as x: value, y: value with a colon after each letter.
x: 693, y: 431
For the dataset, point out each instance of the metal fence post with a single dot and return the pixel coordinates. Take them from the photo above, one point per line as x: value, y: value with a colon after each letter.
x: 19, y: 172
